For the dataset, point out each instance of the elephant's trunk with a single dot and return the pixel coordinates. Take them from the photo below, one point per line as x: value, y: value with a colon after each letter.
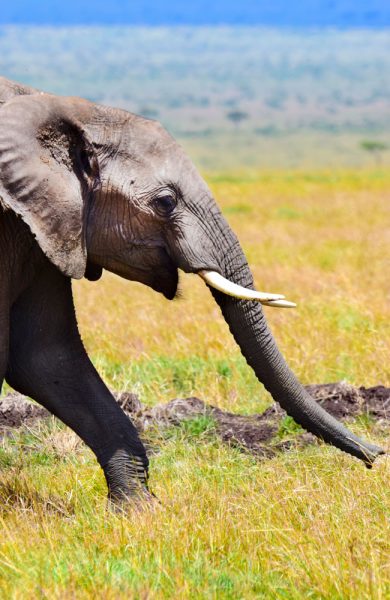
x: 247, y: 323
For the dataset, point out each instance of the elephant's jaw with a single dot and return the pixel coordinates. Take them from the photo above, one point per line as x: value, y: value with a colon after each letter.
x: 162, y: 279
x: 151, y: 266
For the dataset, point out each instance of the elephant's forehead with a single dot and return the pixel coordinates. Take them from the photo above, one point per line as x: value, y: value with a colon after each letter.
x: 145, y: 151
x: 162, y: 158
x: 137, y: 133
x: 144, y: 146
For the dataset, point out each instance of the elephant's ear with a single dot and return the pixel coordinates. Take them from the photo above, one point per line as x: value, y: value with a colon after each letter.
x: 48, y: 171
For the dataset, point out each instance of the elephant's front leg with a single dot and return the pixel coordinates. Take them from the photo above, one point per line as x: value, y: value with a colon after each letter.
x: 47, y: 361
x: 4, y: 330
x: 4, y: 333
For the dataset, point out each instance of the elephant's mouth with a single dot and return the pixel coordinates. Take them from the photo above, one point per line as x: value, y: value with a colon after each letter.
x: 163, y: 276
x: 166, y: 280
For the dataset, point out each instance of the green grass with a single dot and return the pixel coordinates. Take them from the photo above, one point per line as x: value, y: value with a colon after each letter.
x: 309, y: 523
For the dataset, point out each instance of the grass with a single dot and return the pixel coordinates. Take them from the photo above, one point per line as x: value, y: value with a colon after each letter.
x: 311, y: 523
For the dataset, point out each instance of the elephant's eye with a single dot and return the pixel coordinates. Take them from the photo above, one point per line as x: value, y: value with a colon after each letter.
x: 165, y: 204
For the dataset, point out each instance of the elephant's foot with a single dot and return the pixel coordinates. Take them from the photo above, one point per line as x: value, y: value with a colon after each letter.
x: 140, y: 501
x: 127, y: 477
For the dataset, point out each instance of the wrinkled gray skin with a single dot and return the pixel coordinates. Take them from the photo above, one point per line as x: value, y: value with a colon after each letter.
x: 85, y: 188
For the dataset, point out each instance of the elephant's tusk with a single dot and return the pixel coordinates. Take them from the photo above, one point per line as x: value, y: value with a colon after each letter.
x: 279, y: 303
x: 218, y: 282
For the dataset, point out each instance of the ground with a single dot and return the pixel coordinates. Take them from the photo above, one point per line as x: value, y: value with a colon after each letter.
x: 311, y: 522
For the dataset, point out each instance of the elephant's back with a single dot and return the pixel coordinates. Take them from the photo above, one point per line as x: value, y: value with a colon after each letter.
x: 9, y: 89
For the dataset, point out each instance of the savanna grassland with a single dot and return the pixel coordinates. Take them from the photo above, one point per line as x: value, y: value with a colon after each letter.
x: 309, y: 523
x: 257, y: 97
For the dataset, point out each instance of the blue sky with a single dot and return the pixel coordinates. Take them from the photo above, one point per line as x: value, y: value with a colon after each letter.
x: 301, y: 13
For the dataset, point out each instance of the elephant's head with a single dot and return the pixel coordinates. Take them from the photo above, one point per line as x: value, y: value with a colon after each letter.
x: 103, y: 188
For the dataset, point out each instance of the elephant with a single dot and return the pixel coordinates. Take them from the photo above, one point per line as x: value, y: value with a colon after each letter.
x: 86, y: 187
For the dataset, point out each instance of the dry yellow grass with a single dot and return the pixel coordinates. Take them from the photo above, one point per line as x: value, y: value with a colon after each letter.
x: 311, y: 523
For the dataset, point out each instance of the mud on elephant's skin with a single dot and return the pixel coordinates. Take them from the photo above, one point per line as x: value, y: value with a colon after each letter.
x: 85, y: 188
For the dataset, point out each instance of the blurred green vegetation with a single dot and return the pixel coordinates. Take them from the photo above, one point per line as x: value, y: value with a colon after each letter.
x: 234, y: 96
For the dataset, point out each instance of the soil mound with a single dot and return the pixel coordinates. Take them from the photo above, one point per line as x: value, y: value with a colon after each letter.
x: 261, y: 434
x: 15, y: 410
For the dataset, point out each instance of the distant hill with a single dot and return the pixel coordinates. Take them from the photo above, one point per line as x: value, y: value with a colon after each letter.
x: 337, y: 13
x: 233, y: 96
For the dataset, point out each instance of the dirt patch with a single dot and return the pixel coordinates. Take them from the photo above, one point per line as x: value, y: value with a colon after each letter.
x: 257, y: 433
x: 15, y: 410
x: 343, y: 400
